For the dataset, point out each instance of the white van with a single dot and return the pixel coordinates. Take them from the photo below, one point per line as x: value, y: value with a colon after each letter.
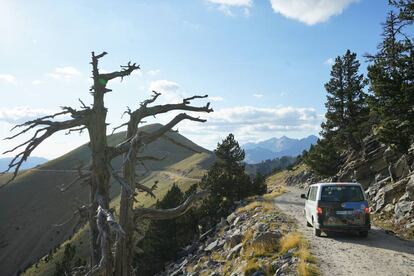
x: 337, y: 207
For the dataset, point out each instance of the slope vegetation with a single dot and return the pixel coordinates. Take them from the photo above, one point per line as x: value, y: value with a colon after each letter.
x: 30, y: 205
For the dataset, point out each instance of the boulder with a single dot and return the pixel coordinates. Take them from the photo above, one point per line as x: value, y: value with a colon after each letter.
x: 402, y: 208
x: 266, y: 238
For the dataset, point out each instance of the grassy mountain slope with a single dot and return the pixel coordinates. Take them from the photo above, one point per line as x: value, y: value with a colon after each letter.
x: 33, y: 203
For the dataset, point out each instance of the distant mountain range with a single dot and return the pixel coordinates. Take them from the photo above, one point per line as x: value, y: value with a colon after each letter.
x: 31, y: 162
x: 276, y: 148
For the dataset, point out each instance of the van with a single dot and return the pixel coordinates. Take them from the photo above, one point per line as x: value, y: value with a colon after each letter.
x: 337, y: 207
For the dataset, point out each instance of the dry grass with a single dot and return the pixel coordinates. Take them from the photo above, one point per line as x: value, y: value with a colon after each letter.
x: 264, y: 206
x: 306, y: 266
x: 290, y: 241
x: 277, y: 191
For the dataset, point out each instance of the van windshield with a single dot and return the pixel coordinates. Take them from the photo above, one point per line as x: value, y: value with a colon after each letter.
x: 342, y: 193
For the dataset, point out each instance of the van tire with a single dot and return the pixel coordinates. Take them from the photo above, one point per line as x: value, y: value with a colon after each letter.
x: 317, y: 232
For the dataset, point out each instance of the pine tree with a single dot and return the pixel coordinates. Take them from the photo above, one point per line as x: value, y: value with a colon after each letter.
x: 392, y: 82
x: 323, y: 158
x: 346, y: 103
x: 226, y: 179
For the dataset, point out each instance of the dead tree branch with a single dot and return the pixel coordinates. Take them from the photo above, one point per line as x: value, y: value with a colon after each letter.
x: 46, y: 128
x: 159, y: 214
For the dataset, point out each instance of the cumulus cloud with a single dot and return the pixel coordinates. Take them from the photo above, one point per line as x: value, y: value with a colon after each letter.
x: 170, y: 90
x: 310, y: 11
x: 17, y: 115
x: 8, y: 78
x: 249, y: 123
x: 65, y: 73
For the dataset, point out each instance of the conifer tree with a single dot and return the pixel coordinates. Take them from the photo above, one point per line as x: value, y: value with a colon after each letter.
x: 391, y: 74
x: 346, y: 103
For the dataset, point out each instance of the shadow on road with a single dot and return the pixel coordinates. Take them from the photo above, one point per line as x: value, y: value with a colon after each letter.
x: 377, y: 238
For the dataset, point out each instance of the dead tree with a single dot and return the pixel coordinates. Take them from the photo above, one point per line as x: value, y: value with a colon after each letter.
x: 93, y: 119
x: 138, y: 140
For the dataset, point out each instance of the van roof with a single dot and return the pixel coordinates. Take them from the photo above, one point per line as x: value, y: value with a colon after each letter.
x: 336, y: 183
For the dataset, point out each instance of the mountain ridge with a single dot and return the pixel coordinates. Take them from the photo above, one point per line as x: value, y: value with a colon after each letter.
x: 276, y: 147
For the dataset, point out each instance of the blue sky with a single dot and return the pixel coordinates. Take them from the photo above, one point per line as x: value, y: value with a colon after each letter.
x: 263, y: 62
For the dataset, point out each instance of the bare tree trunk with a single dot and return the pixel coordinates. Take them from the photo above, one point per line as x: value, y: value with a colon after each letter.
x: 125, y: 247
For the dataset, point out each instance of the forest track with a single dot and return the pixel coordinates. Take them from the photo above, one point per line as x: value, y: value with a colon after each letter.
x: 348, y: 254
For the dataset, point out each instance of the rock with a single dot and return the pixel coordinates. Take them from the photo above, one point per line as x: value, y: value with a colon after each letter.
x: 234, y: 251
x: 405, y: 197
x: 211, y: 246
x: 410, y: 187
x: 389, y: 208
x: 261, y: 227
x: 401, y: 167
x: 233, y: 240
x: 403, y: 207
x: 276, y: 264
x: 231, y: 218
x: 266, y: 238
x: 282, y: 269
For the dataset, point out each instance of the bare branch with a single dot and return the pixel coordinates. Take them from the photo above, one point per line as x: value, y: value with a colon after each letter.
x: 148, y: 190
x: 121, y: 181
x: 125, y: 71
x: 41, y: 134
x: 159, y: 214
x: 118, y: 127
x: 79, y: 129
x: 141, y: 139
x: 151, y: 100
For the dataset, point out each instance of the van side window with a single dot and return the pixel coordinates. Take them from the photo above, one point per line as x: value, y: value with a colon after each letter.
x: 312, y: 195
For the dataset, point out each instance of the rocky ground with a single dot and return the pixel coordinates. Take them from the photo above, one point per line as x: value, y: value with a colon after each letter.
x: 387, y: 177
x: 257, y: 239
x: 348, y: 254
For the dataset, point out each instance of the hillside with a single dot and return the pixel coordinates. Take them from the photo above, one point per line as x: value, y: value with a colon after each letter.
x: 31, y: 162
x: 31, y: 204
x: 276, y: 148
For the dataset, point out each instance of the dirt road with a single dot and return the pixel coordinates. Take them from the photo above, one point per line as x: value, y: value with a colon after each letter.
x: 346, y: 254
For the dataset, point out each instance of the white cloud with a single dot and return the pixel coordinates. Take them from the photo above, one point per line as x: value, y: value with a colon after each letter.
x: 216, y: 99
x: 16, y: 115
x: 65, y: 73
x: 37, y: 82
x: 169, y: 90
x: 225, y: 6
x: 8, y: 78
x: 310, y: 11
x: 329, y: 61
x: 154, y: 72
x: 240, y: 3
x: 249, y: 123
x: 258, y: 96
